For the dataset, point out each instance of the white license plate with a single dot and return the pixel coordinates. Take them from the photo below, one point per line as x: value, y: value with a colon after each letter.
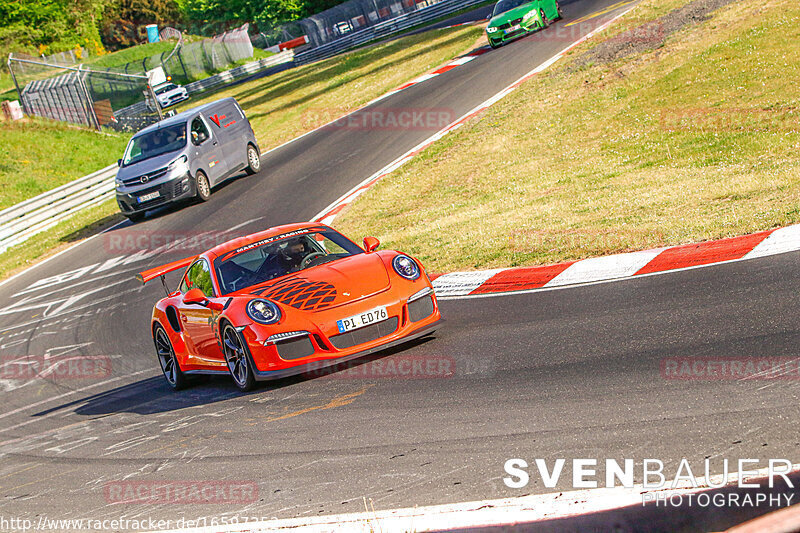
x: 512, y: 29
x: 361, y: 320
x: 150, y: 196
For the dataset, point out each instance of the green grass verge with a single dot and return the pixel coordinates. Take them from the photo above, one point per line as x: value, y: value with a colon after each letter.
x: 695, y: 140
x: 38, y: 155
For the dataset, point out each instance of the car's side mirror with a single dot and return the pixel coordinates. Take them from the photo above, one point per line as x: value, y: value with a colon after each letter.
x: 371, y: 244
x: 195, y: 296
x: 119, y: 162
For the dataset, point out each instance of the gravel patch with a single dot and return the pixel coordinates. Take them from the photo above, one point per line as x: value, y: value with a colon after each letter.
x: 650, y: 35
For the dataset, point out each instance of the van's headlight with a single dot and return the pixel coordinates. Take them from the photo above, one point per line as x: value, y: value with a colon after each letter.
x: 179, y: 164
x: 406, y: 267
x: 118, y: 183
x: 263, y: 311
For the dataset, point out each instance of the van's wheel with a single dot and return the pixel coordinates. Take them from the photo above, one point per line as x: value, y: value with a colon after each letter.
x: 167, y: 360
x: 135, y: 217
x: 202, y: 186
x: 237, y: 360
x: 253, y: 160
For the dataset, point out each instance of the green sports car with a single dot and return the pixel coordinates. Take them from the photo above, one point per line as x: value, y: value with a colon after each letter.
x: 514, y: 18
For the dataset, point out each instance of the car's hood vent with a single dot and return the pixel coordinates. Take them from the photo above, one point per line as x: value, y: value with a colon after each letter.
x: 329, y: 285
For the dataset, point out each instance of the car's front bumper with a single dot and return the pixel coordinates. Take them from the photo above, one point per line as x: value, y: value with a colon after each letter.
x: 319, y: 345
x: 500, y: 37
x: 169, y: 191
x: 268, y: 375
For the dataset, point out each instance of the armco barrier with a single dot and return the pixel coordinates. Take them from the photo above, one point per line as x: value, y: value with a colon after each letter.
x: 24, y: 220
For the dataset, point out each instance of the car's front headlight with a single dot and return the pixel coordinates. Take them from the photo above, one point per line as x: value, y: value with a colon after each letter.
x: 263, y: 311
x: 405, y: 267
x: 492, y: 29
x: 179, y: 164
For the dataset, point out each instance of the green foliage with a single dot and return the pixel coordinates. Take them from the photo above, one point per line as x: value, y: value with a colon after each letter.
x: 124, y: 20
x: 48, y: 26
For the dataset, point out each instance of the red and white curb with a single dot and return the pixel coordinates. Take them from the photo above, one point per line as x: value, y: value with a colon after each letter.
x: 463, y: 60
x: 498, y: 512
x: 619, y: 266
x: 327, y: 215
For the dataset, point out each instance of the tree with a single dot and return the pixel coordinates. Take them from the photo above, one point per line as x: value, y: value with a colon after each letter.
x: 124, y: 20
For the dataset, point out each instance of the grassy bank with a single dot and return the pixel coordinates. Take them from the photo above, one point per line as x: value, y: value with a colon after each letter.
x: 695, y: 139
x: 39, y: 155
x: 290, y: 103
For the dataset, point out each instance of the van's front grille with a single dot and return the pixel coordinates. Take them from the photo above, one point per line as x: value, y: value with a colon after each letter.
x: 150, y: 176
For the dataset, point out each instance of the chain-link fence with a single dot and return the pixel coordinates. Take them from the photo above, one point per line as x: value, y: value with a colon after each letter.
x: 83, y: 96
x: 192, y: 61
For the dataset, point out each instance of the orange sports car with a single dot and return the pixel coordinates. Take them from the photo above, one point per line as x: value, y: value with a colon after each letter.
x: 284, y: 301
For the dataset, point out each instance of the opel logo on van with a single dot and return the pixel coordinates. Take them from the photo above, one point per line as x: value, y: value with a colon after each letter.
x: 144, y: 179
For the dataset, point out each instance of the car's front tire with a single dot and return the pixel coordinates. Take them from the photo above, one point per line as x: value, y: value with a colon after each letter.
x: 237, y: 360
x: 202, y: 186
x: 545, y: 20
x: 253, y: 160
x: 167, y: 360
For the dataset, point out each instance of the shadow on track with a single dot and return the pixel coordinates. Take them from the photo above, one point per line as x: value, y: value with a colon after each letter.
x: 152, y: 395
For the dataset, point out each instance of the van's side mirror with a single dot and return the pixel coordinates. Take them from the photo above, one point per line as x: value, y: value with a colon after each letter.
x: 119, y: 162
x: 371, y: 244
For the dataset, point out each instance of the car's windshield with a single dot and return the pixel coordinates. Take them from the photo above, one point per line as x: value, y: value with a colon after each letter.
x: 155, y: 143
x: 507, y: 5
x: 165, y: 88
x: 280, y: 255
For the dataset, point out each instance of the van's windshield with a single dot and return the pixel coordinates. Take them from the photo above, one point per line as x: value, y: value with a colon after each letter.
x: 154, y: 143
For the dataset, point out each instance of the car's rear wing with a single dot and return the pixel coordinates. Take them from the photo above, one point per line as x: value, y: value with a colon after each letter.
x: 153, y: 273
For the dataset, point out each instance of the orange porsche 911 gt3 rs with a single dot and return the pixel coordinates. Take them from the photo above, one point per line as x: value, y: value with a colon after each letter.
x: 284, y: 301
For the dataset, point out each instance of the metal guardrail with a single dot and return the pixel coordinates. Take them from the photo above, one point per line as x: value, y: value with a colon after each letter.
x: 383, y: 29
x: 24, y: 220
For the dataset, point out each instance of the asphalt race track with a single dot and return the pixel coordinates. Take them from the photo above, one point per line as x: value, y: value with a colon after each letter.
x: 564, y: 373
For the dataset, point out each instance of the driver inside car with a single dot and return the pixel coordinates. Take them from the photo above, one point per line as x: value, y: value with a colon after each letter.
x: 291, y: 255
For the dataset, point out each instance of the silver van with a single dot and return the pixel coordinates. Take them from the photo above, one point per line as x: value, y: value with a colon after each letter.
x: 184, y: 156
